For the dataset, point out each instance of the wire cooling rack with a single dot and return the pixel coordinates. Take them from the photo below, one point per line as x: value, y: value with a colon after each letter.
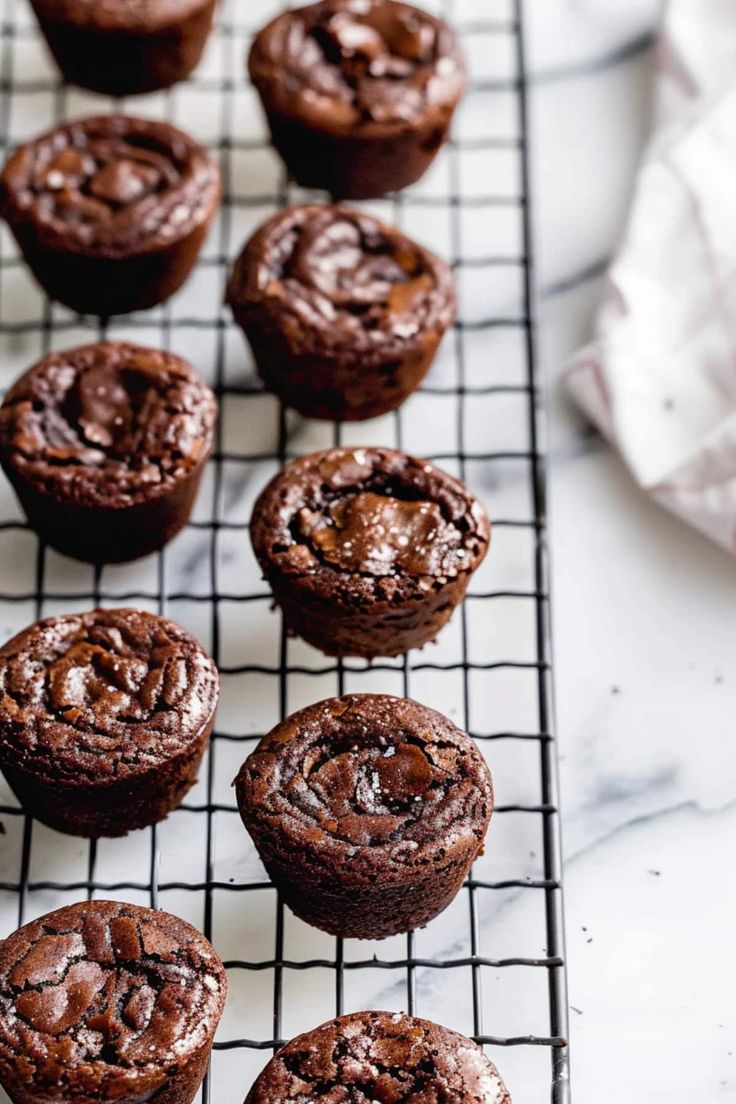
x: 491, y: 965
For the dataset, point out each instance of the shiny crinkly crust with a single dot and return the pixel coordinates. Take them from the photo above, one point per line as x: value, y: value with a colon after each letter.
x: 105, y: 999
x: 108, y: 424
x: 369, y: 522
x: 110, y: 186
x: 336, y: 278
x: 383, y: 782
x: 358, y: 64
x: 103, y: 695
x: 380, y: 1056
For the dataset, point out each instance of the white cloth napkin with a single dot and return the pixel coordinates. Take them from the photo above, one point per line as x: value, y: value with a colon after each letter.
x: 659, y: 378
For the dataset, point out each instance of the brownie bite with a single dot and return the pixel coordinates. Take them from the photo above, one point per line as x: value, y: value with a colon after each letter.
x: 367, y: 811
x: 110, y: 212
x: 105, y: 447
x: 104, y: 1001
x: 367, y: 550
x: 343, y: 313
x: 123, y: 47
x: 104, y: 718
x: 358, y: 94
x: 380, y: 1056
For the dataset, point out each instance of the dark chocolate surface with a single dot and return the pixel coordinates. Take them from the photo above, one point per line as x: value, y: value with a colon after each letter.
x: 380, y: 1056
x: 379, y: 534
x: 134, y: 16
x: 108, y: 424
x: 369, y: 523
x: 96, y: 697
x: 337, y: 279
x: 368, y: 787
x: 105, y: 1000
x: 358, y: 63
x: 110, y: 185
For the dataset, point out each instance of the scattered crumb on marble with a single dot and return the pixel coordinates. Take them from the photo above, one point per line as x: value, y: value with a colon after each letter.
x: 615, y: 689
x: 656, y: 873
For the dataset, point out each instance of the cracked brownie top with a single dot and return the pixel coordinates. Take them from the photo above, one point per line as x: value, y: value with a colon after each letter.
x: 375, y: 787
x: 367, y: 524
x: 92, y: 698
x: 334, y: 279
x: 357, y: 64
x: 110, y: 186
x: 380, y: 1057
x: 108, y: 424
x: 103, y: 999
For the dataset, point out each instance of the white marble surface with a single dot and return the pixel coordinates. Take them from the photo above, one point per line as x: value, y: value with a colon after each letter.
x: 645, y: 639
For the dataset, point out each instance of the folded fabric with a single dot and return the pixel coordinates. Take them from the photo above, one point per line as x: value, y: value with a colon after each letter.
x: 659, y: 377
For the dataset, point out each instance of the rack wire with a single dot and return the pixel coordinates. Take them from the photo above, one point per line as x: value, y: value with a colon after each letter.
x: 496, y: 957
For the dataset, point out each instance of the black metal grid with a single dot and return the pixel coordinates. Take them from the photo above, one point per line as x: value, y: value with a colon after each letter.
x: 33, y: 887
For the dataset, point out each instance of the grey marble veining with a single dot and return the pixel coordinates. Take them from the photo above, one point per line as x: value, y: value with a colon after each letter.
x: 645, y: 641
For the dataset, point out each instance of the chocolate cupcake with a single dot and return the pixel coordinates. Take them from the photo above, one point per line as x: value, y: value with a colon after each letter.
x: 110, y: 212
x: 367, y: 551
x: 104, y: 717
x: 380, y: 1056
x: 104, y: 1001
x: 105, y: 446
x: 343, y: 313
x: 359, y: 94
x: 367, y: 811
x: 122, y: 47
